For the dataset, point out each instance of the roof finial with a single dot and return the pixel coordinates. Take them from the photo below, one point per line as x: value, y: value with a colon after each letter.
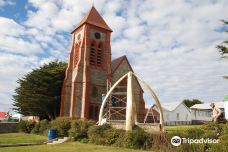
x: 93, y: 3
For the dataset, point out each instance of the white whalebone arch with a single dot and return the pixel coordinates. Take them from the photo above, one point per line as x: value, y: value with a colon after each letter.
x: 131, y: 115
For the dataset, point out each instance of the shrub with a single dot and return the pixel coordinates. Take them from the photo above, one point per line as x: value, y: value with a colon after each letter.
x: 194, y: 133
x: 212, y: 126
x: 26, y: 126
x: 61, y: 125
x: 44, y: 126
x: 36, y: 128
x: 223, y: 140
x: 97, y: 134
x: 79, y: 129
x: 112, y: 135
x: 137, y: 139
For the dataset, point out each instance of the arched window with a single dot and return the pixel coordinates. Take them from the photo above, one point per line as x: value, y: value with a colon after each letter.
x: 92, y: 54
x: 99, y: 55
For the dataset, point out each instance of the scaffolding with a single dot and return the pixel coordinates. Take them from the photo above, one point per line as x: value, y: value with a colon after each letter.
x: 119, y: 104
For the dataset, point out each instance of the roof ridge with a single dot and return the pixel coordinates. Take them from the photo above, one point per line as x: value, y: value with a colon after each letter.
x: 94, y: 18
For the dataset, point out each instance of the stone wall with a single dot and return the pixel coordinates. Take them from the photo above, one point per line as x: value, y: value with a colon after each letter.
x: 8, y: 127
x: 150, y: 128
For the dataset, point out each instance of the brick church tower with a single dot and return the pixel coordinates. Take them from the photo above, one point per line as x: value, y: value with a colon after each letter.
x: 89, y: 68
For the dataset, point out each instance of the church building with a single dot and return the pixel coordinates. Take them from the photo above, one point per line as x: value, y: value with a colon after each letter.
x: 91, y: 71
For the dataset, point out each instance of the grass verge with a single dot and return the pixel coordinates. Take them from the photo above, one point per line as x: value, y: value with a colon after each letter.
x: 15, y: 138
x: 68, y: 147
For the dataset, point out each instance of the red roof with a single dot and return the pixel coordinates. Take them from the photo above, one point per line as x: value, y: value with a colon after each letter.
x: 3, y: 114
x: 94, y: 18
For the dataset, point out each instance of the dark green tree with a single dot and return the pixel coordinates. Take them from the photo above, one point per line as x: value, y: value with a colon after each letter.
x: 192, y: 102
x: 39, y: 91
x: 223, y: 47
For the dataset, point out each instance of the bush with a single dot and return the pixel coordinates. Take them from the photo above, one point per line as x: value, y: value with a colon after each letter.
x: 26, y: 126
x: 79, y: 129
x: 137, y: 139
x: 194, y: 133
x: 223, y: 140
x: 61, y: 125
x: 96, y: 134
x: 112, y: 135
x: 41, y: 127
x: 44, y: 126
x: 101, y: 135
x: 216, y: 127
x: 36, y: 128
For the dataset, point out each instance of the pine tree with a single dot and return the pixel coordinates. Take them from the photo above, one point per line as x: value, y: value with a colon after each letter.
x: 39, y: 91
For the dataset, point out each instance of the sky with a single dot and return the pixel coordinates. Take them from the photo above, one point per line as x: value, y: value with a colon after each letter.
x: 170, y: 44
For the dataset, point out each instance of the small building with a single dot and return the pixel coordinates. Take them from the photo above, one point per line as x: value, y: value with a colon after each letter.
x: 176, y: 113
x: 17, y: 116
x: 202, y: 112
x: 31, y: 118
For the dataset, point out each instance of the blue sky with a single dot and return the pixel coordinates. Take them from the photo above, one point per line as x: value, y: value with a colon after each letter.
x: 171, y: 44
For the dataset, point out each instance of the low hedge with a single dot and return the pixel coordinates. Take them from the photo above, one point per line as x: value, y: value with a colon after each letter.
x: 106, y: 135
x: 87, y: 131
x: 26, y: 126
x: 79, y: 130
x: 41, y: 127
x: 137, y: 139
x: 62, y: 125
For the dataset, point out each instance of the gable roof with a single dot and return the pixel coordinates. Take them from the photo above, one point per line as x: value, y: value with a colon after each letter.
x: 171, y: 106
x: 116, y: 62
x: 204, y: 106
x: 94, y: 18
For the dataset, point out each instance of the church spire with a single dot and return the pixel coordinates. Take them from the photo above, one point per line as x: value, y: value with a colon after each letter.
x: 93, y: 18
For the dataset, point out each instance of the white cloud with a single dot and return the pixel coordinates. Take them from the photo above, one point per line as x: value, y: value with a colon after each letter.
x: 6, y: 2
x: 171, y: 44
x: 11, y: 38
x: 177, y: 53
x: 10, y: 27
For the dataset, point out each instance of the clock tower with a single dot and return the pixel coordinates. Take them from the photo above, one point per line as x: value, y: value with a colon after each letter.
x: 89, y: 68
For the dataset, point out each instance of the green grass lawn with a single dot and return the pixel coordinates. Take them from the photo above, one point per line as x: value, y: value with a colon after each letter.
x: 67, y: 147
x: 13, y: 138
x: 181, y: 128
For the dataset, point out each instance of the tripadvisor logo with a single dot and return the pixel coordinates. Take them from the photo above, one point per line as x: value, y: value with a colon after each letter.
x: 175, y: 140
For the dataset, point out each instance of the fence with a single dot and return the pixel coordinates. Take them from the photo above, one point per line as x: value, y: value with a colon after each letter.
x: 174, y: 123
x: 8, y: 127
